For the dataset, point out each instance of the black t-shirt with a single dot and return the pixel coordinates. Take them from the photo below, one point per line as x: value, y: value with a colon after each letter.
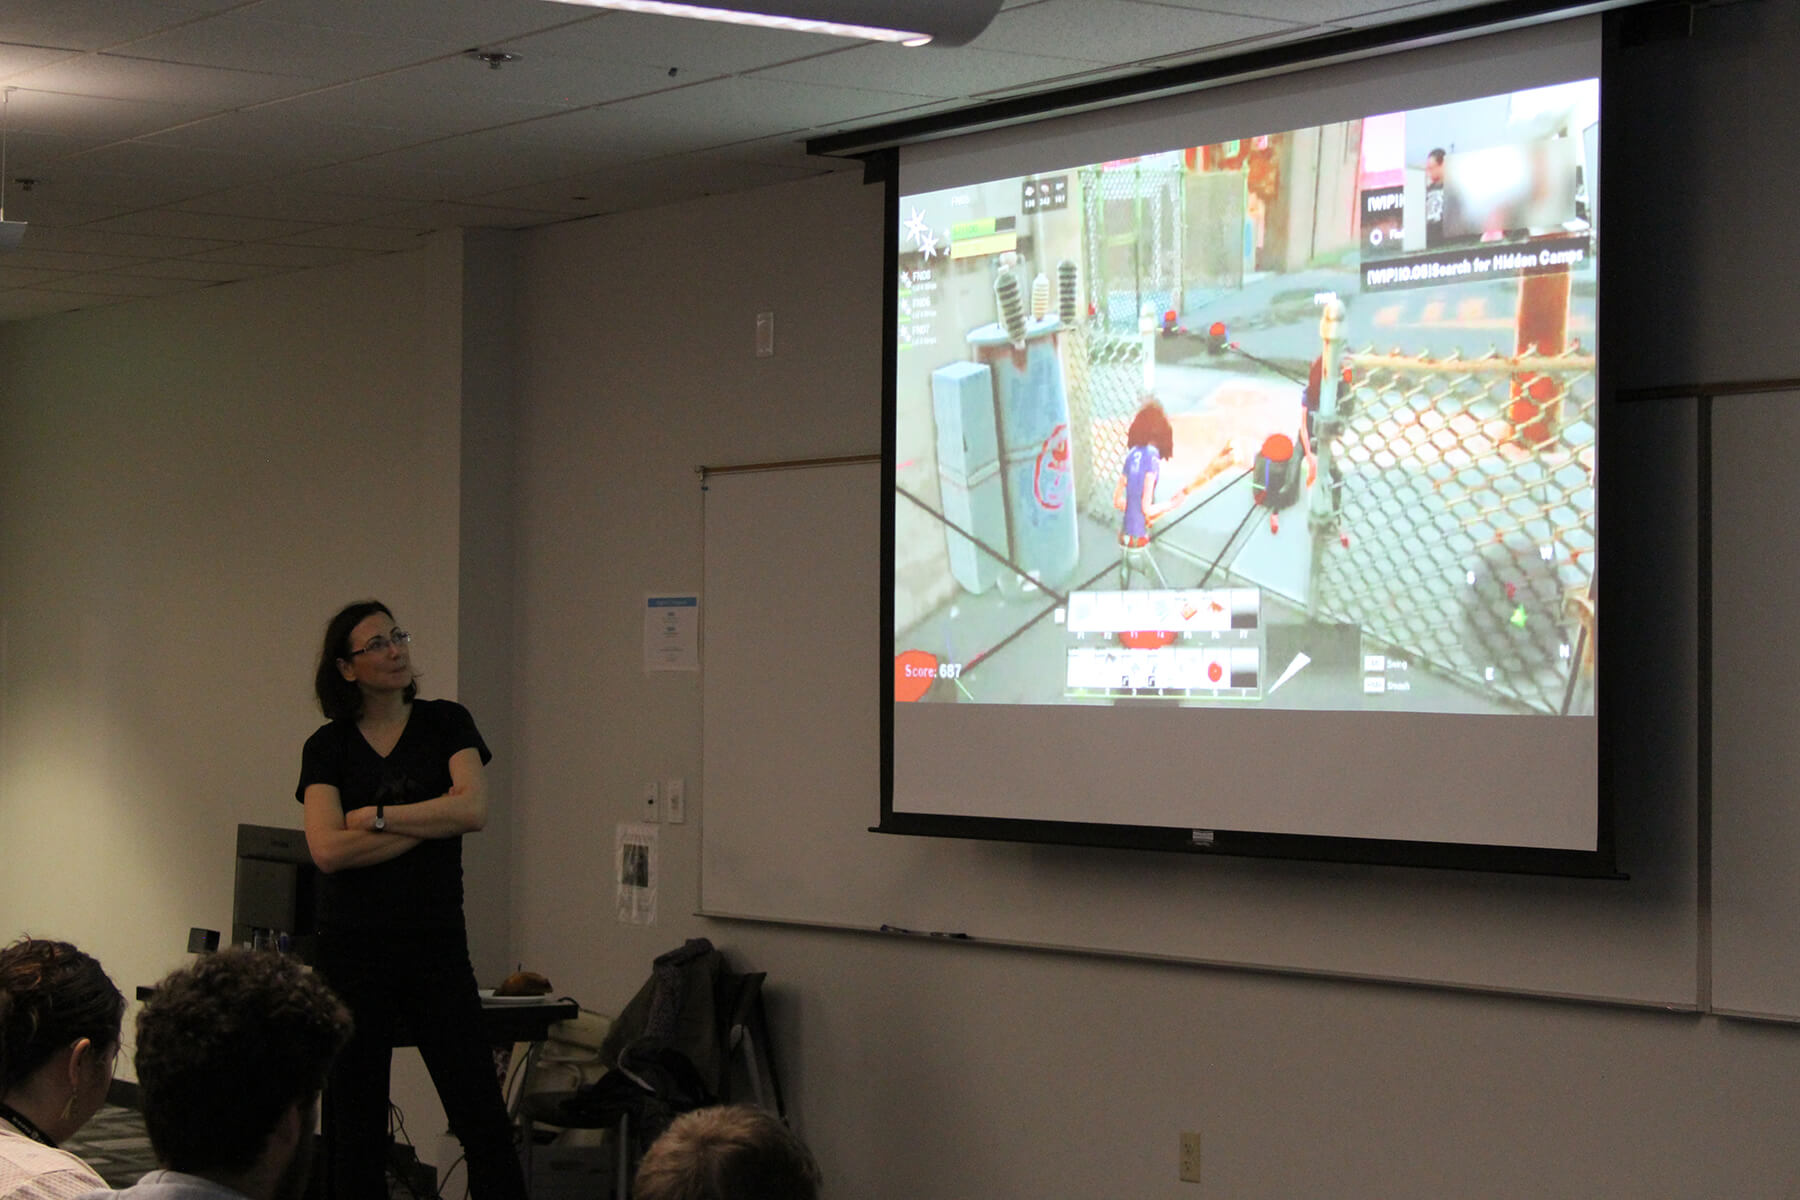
x: 422, y: 888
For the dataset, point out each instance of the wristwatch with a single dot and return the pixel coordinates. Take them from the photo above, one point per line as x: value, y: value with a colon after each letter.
x: 380, y: 819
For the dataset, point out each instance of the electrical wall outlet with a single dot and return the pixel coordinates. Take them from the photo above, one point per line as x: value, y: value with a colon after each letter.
x: 675, y: 801
x: 1190, y: 1156
x: 652, y: 801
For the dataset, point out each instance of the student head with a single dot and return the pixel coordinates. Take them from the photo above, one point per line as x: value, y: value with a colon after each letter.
x: 59, y: 1033
x: 1434, y: 166
x: 232, y: 1054
x: 335, y: 682
x: 731, y: 1152
x: 1151, y: 428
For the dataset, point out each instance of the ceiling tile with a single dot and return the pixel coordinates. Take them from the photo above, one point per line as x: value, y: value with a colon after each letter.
x: 469, y: 216
x: 188, y: 268
x: 121, y: 77
x: 694, y: 48
x: 621, y: 132
x: 75, y: 192
x: 88, y: 240
x: 497, y: 157
x: 1322, y: 11
x: 448, y: 25
x: 195, y: 170
x: 568, y: 82
x: 568, y: 197
x: 270, y: 254
x: 450, y: 96
x: 191, y: 142
x: 1133, y: 31
x: 28, y: 153
x: 54, y: 260
x: 374, y: 178
x: 23, y: 304
x: 285, y: 201
x: 372, y: 238
x: 645, y: 185
x: 783, y: 151
x: 725, y: 111
x: 246, y: 40
x: 920, y: 72
x: 283, y: 141
x: 92, y: 120
x: 12, y: 277
x: 96, y: 24
x: 50, y: 210
x: 130, y: 285
x: 17, y: 58
x: 171, y: 222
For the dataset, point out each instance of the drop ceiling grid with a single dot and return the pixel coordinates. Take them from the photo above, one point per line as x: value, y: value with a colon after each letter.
x: 191, y: 142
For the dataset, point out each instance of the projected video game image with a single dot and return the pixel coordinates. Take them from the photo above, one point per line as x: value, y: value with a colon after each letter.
x: 1305, y: 420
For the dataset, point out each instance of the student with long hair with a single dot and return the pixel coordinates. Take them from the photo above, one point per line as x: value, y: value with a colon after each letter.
x: 59, y: 1035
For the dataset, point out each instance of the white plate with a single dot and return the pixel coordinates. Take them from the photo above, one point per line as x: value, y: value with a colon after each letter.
x: 488, y: 997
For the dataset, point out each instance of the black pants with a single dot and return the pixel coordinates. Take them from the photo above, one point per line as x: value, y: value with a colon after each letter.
x: 418, y: 989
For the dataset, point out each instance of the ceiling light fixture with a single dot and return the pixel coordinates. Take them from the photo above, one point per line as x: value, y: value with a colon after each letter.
x: 11, y: 232
x: 909, y: 22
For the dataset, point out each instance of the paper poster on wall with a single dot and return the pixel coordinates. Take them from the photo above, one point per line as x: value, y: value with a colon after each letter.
x: 634, y: 866
x: 672, y: 632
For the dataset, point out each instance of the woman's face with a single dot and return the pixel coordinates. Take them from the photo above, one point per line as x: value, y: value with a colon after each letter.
x: 377, y: 658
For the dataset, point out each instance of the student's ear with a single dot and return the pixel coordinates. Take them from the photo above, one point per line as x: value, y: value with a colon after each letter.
x: 290, y: 1127
x: 347, y: 670
x: 81, y: 1056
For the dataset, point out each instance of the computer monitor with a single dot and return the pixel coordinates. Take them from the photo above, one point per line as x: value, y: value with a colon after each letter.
x: 274, y: 897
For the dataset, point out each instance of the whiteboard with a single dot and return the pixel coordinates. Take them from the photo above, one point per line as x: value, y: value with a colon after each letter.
x: 795, y: 673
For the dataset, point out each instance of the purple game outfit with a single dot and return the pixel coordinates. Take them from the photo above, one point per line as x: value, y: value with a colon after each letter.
x: 1140, y: 461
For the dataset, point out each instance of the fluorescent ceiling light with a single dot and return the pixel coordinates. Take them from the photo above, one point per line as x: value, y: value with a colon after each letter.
x: 909, y: 22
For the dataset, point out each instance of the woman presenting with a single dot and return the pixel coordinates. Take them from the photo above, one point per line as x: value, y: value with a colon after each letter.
x: 390, y: 786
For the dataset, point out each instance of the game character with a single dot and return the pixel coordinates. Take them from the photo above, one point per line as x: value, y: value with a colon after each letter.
x: 1150, y: 441
x: 1311, y: 430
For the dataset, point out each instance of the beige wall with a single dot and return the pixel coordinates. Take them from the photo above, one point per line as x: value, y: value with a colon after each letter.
x: 951, y: 1071
x: 188, y: 489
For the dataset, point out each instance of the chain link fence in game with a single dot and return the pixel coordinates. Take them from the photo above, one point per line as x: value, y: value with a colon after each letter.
x: 1158, y: 237
x: 1105, y: 381
x: 1467, y: 521
x: 1132, y: 225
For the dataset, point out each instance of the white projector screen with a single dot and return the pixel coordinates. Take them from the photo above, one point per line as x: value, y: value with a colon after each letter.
x: 1243, y: 448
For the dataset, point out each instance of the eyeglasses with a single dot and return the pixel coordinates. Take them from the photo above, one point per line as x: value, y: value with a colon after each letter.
x: 379, y: 644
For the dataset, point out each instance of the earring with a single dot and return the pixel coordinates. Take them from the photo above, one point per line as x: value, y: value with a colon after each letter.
x: 68, y: 1109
